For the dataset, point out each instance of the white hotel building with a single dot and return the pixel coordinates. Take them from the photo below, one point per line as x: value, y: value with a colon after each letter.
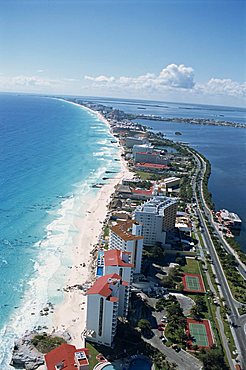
x: 157, y: 216
x: 105, y: 301
x: 127, y: 236
x: 117, y: 262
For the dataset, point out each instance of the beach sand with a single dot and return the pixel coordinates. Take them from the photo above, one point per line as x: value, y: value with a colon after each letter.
x: 70, y: 315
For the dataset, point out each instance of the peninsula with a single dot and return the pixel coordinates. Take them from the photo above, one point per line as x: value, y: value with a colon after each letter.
x: 152, y: 264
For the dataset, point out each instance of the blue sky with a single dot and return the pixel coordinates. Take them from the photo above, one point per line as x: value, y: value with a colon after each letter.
x: 183, y: 50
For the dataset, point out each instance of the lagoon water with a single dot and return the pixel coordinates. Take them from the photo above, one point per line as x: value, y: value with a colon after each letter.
x: 225, y: 147
x: 51, y: 152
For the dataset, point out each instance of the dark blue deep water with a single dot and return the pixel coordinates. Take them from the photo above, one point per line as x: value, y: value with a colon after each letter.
x: 225, y: 147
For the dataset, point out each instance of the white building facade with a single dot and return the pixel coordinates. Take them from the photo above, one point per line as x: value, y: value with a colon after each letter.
x: 127, y: 236
x: 157, y: 216
x: 103, y: 306
x: 118, y: 262
x: 142, y: 148
x: 154, y: 157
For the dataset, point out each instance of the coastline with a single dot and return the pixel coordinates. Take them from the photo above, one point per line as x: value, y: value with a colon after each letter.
x: 70, y: 315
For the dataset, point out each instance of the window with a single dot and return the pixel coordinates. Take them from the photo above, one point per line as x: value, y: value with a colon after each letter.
x: 100, y: 317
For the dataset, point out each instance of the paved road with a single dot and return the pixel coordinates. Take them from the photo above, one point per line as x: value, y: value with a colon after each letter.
x: 238, y: 321
x: 183, y: 359
x: 217, y: 313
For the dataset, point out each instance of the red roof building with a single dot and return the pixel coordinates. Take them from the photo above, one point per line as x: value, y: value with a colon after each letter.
x: 124, y: 229
x: 67, y: 357
x: 146, y: 193
x: 152, y: 166
x: 116, y: 257
x: 106, y: 300
x: 103, y: 285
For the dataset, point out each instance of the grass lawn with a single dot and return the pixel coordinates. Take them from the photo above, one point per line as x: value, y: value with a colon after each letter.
x: 191, y: 267
x: 93, y: 353
x: 144, y: 175
x: 200, y: 238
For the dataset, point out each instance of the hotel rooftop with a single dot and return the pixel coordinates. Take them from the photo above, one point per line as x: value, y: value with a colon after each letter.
x: 104, y: 286
x: 67, y: 357
x: 156, y: 205
x: 124, y: 230
x: 115, y: 257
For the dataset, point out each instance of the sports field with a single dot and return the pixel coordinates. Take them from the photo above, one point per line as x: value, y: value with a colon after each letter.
x: 201, y: 333
x: 193, y: 283
x: 198, y: 331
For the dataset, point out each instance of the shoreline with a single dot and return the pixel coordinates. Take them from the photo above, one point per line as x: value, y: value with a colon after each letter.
x: 70, y: 315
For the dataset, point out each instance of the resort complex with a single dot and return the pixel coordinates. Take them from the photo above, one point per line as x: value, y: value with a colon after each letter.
x: 151, y: 297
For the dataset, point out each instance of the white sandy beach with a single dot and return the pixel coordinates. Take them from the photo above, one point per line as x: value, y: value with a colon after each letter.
x: 71, y: 314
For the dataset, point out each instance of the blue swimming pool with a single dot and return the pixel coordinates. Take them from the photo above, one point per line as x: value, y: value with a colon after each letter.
x: 100, y: 254
x: 99, y: 271
x: 109, y: 367
x: 140, y: 364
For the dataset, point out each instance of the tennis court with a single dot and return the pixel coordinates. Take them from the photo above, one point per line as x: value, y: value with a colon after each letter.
x: 198, y: 331
x: 201, y: 333
x: 193, y: 283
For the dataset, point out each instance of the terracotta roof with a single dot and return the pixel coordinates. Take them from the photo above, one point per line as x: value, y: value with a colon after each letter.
x: 113, y: 257
x: 153, y: 153
x: 113, y: 299
x: 102, y: 285
x: 123, y: 230
x: 143, y: 191
x: 152, y: 165
x: 65, y: 354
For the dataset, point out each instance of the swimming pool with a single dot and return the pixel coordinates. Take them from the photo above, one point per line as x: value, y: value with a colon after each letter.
x: 109, y: 367
x: 140, y: 364
x: 99, y: 271
x: 100, y: 255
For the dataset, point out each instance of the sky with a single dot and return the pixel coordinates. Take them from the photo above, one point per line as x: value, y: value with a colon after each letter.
x: 169, y: 50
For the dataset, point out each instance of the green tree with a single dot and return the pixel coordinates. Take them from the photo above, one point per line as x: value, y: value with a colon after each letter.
x: 144, y: 325
x: 213, y: 359
x: 157, y: 253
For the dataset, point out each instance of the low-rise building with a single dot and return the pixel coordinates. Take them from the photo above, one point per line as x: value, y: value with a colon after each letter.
x: 151, y: 167
x: 157, y: 217
x: 170, y: 183
x: 67, y: 357
x: 127, y: 236
x: 143, y: 194
x: 229, y: 219
x: 151, y: 157
x: 131, y: 141
x: 105, y: 300
x: 148, y: 148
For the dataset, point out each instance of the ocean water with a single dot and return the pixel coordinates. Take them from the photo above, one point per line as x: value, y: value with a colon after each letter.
x: 225, y: 147
x: 51, y: 152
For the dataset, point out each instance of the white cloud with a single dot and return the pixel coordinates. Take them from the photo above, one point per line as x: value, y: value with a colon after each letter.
x: 100, y: 78
x: 177, y: 76
x: 219, y: 86
x: 27, y: 83
x: 173, y: 76
x: 31, y: 81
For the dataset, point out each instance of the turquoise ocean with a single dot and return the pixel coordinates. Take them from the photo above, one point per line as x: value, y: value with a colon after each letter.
x: 51, y: 153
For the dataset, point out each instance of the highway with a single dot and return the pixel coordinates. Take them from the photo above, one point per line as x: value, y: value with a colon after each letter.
x: 238, y: 321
